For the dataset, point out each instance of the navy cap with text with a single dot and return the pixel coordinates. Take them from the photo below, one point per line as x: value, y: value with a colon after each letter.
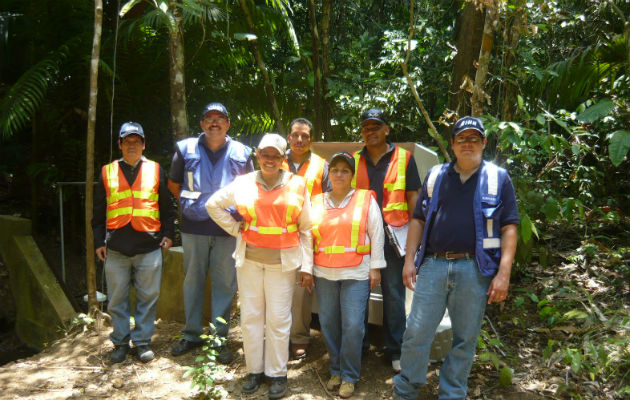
x: 466, y: 123
x: 374, y: 114
x: 131, y: 128
x: 218, y: 107
x: 342, y: 155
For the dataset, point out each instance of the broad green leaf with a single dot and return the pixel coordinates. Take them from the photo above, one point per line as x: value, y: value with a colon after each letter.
x: 597, y: 111
x: 128, y: 6
x: 505, y: 376
x: 618, y: 146
x: 245, y: 36
x: 519, y: 98
x: 551, y: 208
x: 576, y: 314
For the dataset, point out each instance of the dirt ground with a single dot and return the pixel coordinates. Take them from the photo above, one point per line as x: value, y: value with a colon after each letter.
x: 78, y: 366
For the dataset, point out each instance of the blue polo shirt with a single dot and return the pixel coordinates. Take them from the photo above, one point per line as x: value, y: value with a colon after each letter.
x: 176, y: 174
x: 376, y: 173
x: 453, y: 227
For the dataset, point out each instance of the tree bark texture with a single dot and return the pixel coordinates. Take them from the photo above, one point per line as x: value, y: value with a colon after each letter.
x: 479, y: 96
x: 513, y: 32
x: 89, y: 158
x: 263, y: 70
x: 177, y: 75
x: 317, y: 72
x: 468, y: 33
x: 327, y: 110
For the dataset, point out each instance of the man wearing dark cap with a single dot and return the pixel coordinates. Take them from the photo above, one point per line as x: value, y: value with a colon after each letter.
x: 465, y: 223
x: 133, y: 219
x: 391, y: 172
x: 201, y: 166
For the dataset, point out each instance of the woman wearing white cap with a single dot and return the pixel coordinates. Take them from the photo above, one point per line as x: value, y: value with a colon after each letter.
x: 348, y: 242
x: 272, y: 242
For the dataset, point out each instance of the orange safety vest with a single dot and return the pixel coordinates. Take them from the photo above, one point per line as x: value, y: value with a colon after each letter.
x: 313, y: 171
x: 137, y: 204
x: 395, y: 207
x: 271, y: 216
x: 339, y: 233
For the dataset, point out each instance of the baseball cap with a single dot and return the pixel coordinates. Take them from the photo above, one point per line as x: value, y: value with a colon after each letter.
x: 342, y: 155
x: 273, y: 140
x: 218, y: 107
x: 466, y: 123
x: 373, y: 114
x: 129, y: 128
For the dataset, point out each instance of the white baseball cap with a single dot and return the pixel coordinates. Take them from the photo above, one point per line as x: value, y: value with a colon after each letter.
x: 273, y: 140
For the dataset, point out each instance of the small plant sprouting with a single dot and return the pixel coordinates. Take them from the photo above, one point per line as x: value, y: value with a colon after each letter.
x: 205, y: 370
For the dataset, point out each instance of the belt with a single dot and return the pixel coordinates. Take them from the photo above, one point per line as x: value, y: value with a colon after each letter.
x: 450, y: 255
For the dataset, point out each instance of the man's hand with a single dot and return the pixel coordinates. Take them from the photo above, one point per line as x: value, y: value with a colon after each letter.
x: 101, y: 253
x: 375, y: 278
x: 306, y: 281
x: 166, y: 243
x: 498, y: 289
x: 409, y: 275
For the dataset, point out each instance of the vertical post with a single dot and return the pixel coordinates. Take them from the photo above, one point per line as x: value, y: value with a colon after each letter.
x: 63, y: 253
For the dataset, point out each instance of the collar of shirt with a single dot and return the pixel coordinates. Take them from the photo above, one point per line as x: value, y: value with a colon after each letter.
x: 365, y: 153
x: 133, y: 167
x: 282, y: 180
x: 202, y: 141
x: 292, y: 163
x: 328, y: 202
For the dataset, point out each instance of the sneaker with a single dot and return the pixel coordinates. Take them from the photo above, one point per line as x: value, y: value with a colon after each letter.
x: 145, y: 354
x: 119, y: 353
x: 224, y: 355
x: 278, y: 387
x: 333, y: 383
x: 346, y: 389
x: 252, y: 383
x: 184, y: 346
x: 396, y: 366
x: 298, y: 350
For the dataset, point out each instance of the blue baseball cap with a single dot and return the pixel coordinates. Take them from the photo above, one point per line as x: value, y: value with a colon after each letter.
x: 373, y: 114
x: 218, y: 107
x: 466, y: 123
x: 130, y: 128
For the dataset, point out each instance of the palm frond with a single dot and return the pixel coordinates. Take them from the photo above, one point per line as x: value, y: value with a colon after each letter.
x: 27, y: 94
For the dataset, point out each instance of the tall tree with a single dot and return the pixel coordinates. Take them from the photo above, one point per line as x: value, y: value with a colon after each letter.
x: 89, y: 159
x: 479, y: 96
x: 317, y: 70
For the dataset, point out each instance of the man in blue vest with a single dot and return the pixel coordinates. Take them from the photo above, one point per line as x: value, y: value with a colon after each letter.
x: 465, y: 223
x: 201, y: 166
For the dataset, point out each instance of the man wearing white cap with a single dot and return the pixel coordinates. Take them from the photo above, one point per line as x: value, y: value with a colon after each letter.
x: 272, y: 242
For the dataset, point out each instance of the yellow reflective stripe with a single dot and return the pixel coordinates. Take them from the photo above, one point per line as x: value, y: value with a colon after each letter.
x: 356, y: 218
x: 292, y: 228
x: 400, y: 183
x: 334, y: 249
x: 366, y: 248
x: 270, y: 230
x: 357, y: 157
x: 118, y: 212
x: 114, y: 197
x: 139, y: 212
x: 252, y: 212
x: 111, y: 170
x: 289, y: 216
x: 149, y: 177
x: 396, y: 206
x: 314, y: 167
x: 317, y: 215
x: 144, y: 195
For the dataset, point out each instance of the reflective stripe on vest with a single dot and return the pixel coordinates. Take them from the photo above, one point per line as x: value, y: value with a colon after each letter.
x: 395, y: 207
x: 339, y: 233
x: 271, y: 216
x: 312, y: 171
x: 137, y: 204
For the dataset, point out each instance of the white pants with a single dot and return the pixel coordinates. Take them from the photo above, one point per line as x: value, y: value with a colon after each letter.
x: 265, y: 293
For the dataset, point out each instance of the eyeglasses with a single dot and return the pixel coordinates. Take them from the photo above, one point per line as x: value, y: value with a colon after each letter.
x: 474, y: 139
x: 219, y: 120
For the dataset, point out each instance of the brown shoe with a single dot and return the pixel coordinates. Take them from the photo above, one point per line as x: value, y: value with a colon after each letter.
x: 333, y: 383
x: 346, y: 389
x: 298, y: 350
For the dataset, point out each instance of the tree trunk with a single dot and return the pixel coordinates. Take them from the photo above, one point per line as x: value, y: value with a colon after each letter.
x: 326, y: 109
x: 468, y: 33
x: 89, y: 157
x: 263, y: 70
x: 513, y: 31
x: 479, y: 96
x: 177, y: 74
x: 317, y: 72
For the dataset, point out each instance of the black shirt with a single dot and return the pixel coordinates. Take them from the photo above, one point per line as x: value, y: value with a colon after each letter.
x: 127, y: 240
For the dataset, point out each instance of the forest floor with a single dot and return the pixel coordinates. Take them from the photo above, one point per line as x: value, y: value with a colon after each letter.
x: 516, y: 334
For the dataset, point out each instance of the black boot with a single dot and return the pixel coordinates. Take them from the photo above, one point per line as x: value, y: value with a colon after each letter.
x: 278, y: 387
x: 119, y: 353
x: 252, y: 383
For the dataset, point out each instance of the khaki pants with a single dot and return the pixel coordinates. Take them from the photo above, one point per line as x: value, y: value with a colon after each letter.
x: 301, y: 314
x: 265, y: 293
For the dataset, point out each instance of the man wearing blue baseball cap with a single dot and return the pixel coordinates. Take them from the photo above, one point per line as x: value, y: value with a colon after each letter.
x: 133, y: 219
x: 201, y: 166
x: 465, y: 224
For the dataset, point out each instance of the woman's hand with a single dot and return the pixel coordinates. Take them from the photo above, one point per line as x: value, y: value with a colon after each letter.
x: 306, y: 281
x: 375, y: 278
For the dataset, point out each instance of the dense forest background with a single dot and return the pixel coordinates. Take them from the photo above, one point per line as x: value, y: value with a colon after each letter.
x: 552, y: 84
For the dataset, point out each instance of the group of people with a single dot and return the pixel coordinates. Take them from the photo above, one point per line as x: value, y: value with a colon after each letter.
x: 301, y: 224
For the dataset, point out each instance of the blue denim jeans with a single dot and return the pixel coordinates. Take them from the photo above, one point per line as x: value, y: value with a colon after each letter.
x: 459, y: 286
x: 146, y: 269
x: 393, y: 290
x: 341, y: 306
x: 203, y: 253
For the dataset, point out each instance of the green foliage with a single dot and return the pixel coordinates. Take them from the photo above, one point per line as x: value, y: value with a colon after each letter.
x: 204, y: 372
x: 492, y: 350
